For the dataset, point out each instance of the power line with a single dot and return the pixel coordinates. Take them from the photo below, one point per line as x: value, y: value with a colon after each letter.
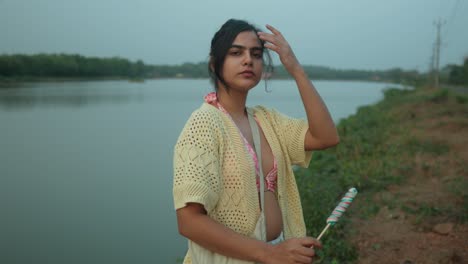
x: 454, y: 12
x: 452, y: 16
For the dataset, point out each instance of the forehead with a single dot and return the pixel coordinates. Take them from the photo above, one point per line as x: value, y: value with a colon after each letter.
x: 247, y: 39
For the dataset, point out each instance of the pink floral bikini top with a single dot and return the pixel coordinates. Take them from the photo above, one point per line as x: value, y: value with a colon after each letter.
x: 272, y: 176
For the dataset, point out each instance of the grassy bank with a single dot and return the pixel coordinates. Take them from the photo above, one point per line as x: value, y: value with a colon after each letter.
x: 377, y: 152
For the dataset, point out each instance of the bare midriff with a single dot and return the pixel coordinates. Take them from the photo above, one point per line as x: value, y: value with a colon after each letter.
x: 273, y: 217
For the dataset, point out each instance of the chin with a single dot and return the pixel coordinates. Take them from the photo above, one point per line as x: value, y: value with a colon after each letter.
x: 243, y: 84
x: 247, y: 85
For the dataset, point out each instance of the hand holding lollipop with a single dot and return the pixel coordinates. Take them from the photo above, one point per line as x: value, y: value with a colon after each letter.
x: 339, y: 209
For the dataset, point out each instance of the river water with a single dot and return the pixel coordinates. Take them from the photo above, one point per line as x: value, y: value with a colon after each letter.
x: 86, y: 167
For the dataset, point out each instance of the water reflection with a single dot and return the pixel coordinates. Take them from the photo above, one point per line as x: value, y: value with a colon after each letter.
x: 68, y: 95
x: 96, y: 182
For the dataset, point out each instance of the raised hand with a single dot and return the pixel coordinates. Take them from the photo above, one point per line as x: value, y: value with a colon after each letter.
x: 276, y: 42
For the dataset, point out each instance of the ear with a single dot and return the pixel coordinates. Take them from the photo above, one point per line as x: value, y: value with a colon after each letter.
x: 211, y: 64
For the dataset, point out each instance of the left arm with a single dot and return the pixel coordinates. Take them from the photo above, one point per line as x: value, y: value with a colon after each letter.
x: 322, y: 131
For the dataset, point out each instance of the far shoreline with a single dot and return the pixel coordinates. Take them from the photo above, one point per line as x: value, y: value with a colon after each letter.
x: 16, y: 82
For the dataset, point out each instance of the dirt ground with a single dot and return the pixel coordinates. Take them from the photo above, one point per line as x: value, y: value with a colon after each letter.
x: 419, y: 221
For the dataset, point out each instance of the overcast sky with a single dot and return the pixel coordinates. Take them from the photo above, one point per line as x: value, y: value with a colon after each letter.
x: 343, y: 34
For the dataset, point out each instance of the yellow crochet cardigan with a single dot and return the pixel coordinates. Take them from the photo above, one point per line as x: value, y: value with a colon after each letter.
x: 212, y: 167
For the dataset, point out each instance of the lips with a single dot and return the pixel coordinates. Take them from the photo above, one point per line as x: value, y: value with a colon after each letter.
x: 247, y: 73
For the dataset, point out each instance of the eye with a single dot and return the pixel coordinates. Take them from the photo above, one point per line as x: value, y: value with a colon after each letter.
x: 257, y: 54
x: 234, y: 52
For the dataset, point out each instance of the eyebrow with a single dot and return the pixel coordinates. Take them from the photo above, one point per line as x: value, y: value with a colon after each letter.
x: 243, y: 47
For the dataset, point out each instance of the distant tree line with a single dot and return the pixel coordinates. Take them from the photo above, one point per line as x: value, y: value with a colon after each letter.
x: 458, y: 74
x: 64, y: 65
x: 78, y: 66
x: 325, y: 73
x: 186, y: 70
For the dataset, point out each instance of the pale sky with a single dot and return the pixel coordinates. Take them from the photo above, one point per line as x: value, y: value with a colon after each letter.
x: 342, y: 34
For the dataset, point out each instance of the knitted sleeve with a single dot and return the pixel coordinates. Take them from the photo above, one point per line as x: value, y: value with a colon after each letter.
x: 293, y: 131
x: 196, y: 169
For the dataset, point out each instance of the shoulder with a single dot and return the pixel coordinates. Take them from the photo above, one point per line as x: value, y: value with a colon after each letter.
x: 267, y: 113
x: 203, y: 124
x: 206, y: 114
x: 263, y: 110
x: 279, y: 121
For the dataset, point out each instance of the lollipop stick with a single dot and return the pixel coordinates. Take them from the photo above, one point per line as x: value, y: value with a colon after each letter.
x: 323, y: 232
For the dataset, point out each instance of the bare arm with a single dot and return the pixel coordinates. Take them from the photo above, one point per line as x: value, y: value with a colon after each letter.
x: 322, y: 131
x: 197, y: 226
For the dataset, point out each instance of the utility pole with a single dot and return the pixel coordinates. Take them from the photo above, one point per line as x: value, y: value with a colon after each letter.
x: 432, y: 64
x: 436, y: 56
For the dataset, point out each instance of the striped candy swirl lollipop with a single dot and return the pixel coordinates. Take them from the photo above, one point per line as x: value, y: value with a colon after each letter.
x: 342, y: 206
x: 339, y: 210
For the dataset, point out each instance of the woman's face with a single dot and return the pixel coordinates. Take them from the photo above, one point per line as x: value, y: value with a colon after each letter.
x: 243, y: 65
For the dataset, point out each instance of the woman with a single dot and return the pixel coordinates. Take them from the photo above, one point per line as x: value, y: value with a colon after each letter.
x: 216, y: 182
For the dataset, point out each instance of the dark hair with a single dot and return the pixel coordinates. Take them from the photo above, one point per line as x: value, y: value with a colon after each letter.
x: 221, y: 43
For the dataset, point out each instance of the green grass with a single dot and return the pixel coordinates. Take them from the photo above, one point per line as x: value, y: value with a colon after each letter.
x: 461, y: 99
x: 421, y: 210
x: 373, y: 154
x: 415, y: 145
x: 364, y: 159
x: 459, y: 187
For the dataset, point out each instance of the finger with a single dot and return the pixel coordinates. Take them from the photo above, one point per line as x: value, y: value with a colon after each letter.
x: 306, y: 251
x: 303, y: 259
x: 311, y: 242
x: 316, y: 243
x: 273, y: 30
x: 272, y: 47
x: 267, y: 37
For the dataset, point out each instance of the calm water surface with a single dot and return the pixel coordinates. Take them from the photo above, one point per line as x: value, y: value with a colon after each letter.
x: 86, y: 167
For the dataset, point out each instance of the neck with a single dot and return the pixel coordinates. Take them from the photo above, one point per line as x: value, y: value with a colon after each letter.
x: 233, y: 102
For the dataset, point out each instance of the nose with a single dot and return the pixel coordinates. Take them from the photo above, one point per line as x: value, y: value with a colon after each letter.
x: 247, y: 59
